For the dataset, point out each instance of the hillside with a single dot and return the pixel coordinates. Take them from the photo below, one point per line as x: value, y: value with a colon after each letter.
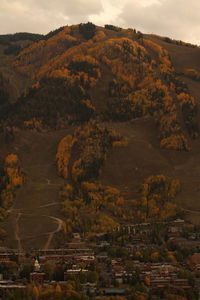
x: 33, y: 215
x: 93, y: 113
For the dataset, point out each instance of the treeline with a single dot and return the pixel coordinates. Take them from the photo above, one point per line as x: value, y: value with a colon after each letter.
x: 3, y: 93
x: 53, y: 103
x: 89, y: 146
x: 157, y: 198
x: 20, y: 36
x: 69, y: 291
x: 112, y: 27
x: 60, y: 98
x: 177, y: 42
x: 87, y: 30
x: 52, y: 33
x: 141, y: 82
x: 11, y: 178
x: 13, y: 49
x: 12, y: 41
x: 79, y: 159
x: 163, y: 96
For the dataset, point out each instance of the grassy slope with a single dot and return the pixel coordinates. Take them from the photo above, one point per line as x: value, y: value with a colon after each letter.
x: 37, y: 153
x: 127, y: 167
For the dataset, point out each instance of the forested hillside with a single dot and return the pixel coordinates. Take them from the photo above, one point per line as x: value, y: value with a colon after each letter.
x: 122, y: 108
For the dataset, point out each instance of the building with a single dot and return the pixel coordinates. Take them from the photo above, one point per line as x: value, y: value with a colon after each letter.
x: 37, y: 277
x: 114, y: 292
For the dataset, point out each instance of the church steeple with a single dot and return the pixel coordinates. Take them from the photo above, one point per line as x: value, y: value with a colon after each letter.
x: 36, y: 266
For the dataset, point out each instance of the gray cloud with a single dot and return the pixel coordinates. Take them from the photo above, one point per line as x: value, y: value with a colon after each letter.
x: 44, y: 15
x: 177, y: 19
x: 72, y: 8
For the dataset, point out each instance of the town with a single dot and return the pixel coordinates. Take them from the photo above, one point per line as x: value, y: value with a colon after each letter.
x: 141, y: 261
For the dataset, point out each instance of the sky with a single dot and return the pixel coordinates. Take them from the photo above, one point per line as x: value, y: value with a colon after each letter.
x: 178, y: 19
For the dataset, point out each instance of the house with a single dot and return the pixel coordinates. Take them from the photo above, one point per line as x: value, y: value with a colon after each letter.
x: 175, y: 284
x: 179, y: 242
x: 178, y: 222
x: 89, y: 288
x: 73, y: 272
x: 194, y: 263
x: 37, y: 277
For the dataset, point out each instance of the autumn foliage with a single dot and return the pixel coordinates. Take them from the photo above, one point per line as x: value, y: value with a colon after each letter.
x: 11, y: 179
x: 79, y: 159
x: 89, y: 146
x: 14, y: 178
x: 83, y: 71
x: 63, y: 154
x: 157, y: 201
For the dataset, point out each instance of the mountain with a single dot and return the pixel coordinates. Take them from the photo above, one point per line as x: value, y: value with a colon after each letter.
x: 104, y: 122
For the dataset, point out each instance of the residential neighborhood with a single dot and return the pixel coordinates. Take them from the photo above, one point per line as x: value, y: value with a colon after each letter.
x: 113, y: 264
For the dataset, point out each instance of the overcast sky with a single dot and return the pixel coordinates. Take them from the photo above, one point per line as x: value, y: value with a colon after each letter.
x: 179, y: 19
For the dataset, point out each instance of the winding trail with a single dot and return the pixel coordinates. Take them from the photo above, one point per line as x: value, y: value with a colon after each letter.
x: 17, y: 233
x: 51, y: 234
